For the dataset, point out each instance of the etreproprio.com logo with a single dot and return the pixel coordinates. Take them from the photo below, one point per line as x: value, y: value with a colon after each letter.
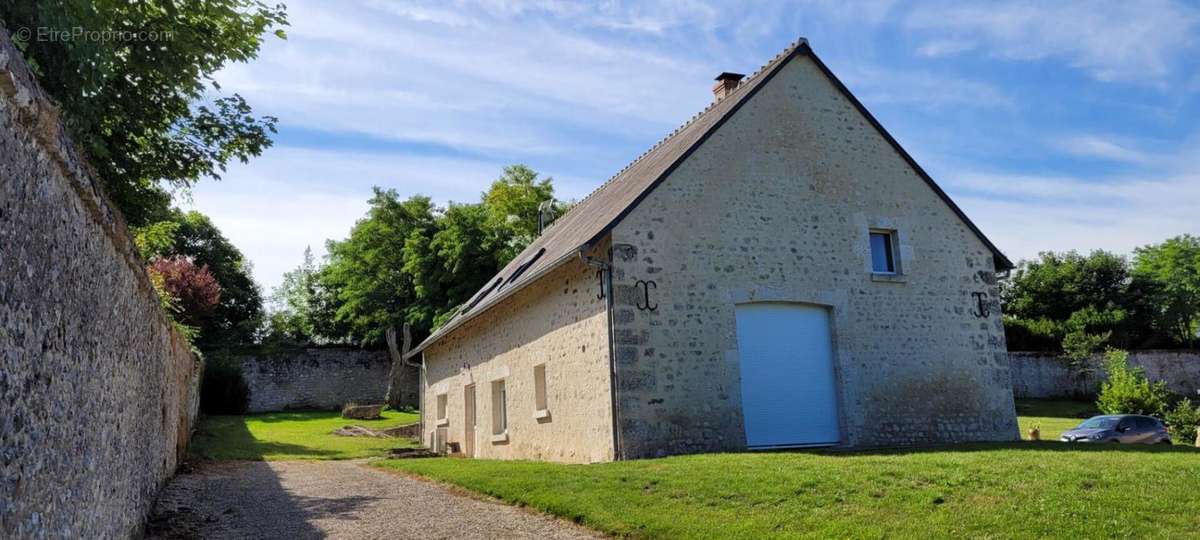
x: 79, y: 33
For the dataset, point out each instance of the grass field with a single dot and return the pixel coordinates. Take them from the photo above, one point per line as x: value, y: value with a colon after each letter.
x: 1017, y: 490
x: 293, y: 435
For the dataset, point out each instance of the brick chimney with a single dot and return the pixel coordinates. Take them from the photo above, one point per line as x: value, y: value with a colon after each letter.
x: 726, y: 82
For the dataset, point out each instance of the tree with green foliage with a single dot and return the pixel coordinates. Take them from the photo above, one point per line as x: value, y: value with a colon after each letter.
x: 1067, y: 298
x: 410, y: 262
x: 368, y: 275
x: 466, y: 252
x: 1056, y: 285
x: 142, y: 102
x: 513, y: 204
x: 292, y: 303
x: 1170, y: 271
x: 239, y: 314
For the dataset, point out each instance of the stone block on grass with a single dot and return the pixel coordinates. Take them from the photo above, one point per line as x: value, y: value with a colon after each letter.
x: 362, y: 412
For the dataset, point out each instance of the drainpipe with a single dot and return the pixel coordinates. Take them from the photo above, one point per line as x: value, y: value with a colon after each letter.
x: 421, y: 396
x: 606, y: 287
x: 402, y: 358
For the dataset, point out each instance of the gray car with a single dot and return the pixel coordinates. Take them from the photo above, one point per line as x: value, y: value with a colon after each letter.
x: 1119, y: 428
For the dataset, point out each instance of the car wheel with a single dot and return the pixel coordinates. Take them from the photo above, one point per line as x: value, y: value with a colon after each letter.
x: 1165, y: 441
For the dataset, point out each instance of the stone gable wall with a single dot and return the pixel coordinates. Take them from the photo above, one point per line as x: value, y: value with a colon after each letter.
x: 321, y: 378
x: 1042, y: 375
x: 98, y: 393
x: 776, y: 206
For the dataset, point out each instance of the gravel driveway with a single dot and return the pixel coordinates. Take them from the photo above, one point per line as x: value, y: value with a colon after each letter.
x: 333, y: 499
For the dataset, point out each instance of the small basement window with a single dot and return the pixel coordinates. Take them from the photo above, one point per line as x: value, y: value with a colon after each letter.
x: 540, y: 408
x: 499, y: 411
x: 883, y: 252
x: 441, y: 410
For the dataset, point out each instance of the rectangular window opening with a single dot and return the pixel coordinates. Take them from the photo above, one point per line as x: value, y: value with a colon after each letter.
x: 499, y: 408
x: 441, y: 410
x: 883, y: 252
x: 539, y: 391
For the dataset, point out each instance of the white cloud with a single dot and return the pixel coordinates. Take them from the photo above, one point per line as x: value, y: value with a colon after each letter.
x: 1130, y: 40
x: 869, y: 12
x: 1099, y: 147
x: 944, y: 47
x: 1026, y: 214
x: 882, y: 86
x: 649, y: 16
x: 498, y: 87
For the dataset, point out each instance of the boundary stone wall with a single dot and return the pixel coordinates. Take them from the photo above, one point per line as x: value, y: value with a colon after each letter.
x: 1043, y: 375
x: 322, y: 378
x: 98, y: 392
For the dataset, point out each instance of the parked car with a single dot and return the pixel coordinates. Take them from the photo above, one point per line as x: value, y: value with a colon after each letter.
x: 1119, y: 428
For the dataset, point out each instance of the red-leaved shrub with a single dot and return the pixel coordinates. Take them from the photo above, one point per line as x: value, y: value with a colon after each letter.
x: 193, y: 288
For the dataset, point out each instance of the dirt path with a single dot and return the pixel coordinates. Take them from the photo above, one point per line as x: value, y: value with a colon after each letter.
x: 333, y: 499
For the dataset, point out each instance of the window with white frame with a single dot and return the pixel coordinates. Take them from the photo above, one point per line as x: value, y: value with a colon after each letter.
x: 441, y: 410
x: 883, y: 252
x: 540, y: 408
x: 499, y: 408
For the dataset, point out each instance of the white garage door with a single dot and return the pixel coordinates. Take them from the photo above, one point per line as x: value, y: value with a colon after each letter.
x: 786, y: 356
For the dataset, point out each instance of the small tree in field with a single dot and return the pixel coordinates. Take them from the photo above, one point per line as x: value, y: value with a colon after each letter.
x: 1127, y: 390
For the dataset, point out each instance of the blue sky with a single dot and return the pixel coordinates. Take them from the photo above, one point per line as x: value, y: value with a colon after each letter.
x: 1055, y: 125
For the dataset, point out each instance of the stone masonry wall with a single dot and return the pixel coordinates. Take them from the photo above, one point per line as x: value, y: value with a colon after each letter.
x: 777, y: 206
x: 98, y: 393
x: 1042, y: 375
x: 557, y: 322
x: 321, y: 378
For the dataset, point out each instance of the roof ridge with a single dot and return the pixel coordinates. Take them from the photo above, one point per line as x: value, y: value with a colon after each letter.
x: 554, y: 237
x: 741, y: 84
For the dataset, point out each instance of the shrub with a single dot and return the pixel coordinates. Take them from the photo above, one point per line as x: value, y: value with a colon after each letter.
x: 195, y: 290
x: 1127, y: 390
x: 223, y: 389
x: 170, y: 307
x: 1032, y: 334
x: 1183, y: 421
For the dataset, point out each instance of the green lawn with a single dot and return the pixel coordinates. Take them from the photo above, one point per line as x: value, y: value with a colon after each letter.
x: 1012, y: 490
x: 293, y: 435
x: 1019, y: 490
x: 1054, y: 416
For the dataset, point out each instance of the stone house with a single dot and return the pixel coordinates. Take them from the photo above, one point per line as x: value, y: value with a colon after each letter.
x: 777, y: 272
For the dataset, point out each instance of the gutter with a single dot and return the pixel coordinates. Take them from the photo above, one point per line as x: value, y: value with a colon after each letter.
x: 606, y: 287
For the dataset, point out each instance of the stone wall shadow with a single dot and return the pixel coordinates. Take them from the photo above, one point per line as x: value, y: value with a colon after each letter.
x: 243, y: 498
x: 239, y: 443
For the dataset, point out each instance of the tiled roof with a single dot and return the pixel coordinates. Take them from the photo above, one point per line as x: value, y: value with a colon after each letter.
x: 597, y: 213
